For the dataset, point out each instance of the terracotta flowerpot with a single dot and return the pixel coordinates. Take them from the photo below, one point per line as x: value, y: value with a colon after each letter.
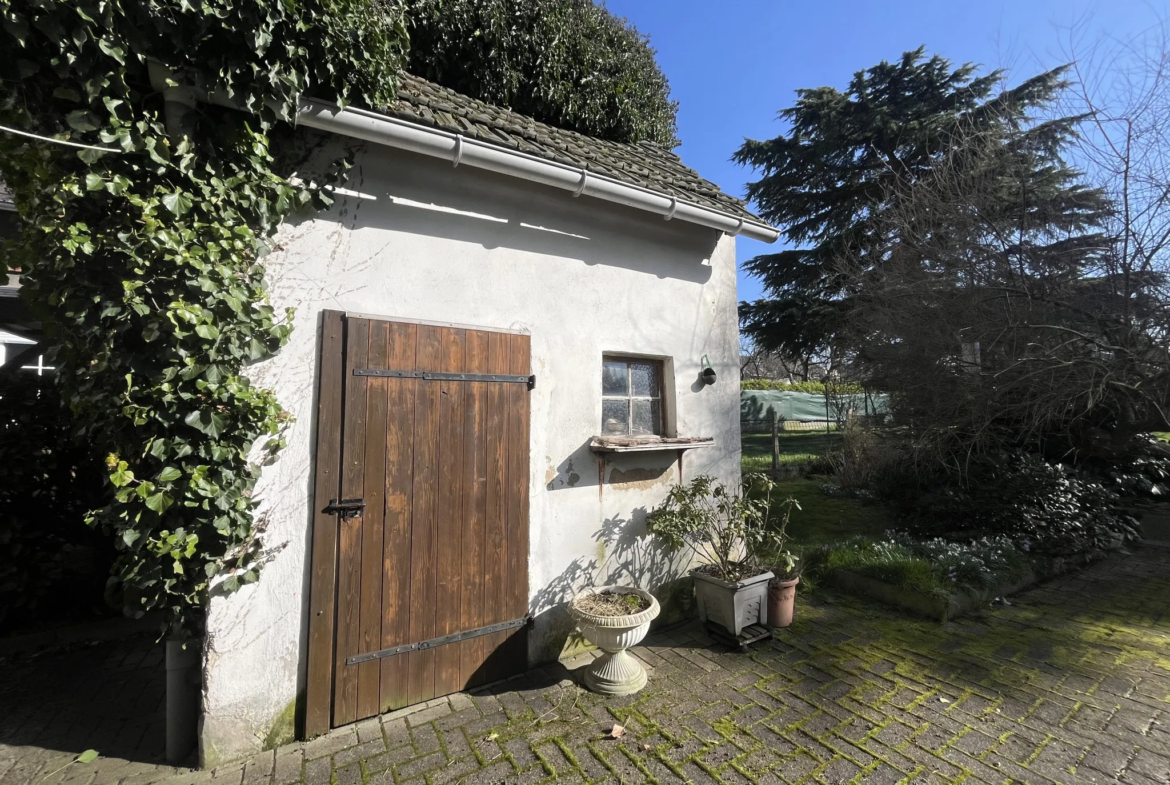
x: 781, y: 603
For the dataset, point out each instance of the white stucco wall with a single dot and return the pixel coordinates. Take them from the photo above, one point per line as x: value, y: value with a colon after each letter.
x: 584, y: 278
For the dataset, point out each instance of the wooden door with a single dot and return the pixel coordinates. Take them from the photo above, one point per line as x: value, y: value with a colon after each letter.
x: 420, y: 534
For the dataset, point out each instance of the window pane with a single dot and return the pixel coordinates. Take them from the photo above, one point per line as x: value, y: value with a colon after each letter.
x: 645, y: 378
x: 647, y: 416
x: 614, y: 379
x: 615, y: 417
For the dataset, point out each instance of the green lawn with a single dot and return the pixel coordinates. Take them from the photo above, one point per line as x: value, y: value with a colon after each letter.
x: 796, y: 447
x: 823, y: 518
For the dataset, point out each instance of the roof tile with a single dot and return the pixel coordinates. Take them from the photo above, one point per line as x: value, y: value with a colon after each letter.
x: 643, y: 164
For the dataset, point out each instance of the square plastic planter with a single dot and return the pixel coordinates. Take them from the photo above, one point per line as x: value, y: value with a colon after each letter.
x: 732, y: 606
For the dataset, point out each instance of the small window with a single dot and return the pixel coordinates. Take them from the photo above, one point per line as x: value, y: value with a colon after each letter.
x: 631, y: 397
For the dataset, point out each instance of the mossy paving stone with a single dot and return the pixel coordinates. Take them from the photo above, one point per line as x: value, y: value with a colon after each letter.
x: 1070, y: 684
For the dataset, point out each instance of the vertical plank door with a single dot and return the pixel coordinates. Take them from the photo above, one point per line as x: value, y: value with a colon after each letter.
x: 434, y: 430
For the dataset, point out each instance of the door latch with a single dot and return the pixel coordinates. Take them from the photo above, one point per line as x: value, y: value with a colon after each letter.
x: 345, y: 508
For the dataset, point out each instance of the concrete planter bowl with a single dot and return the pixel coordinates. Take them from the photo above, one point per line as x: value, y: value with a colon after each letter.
x: 732, y: 606
x: 615, y: 672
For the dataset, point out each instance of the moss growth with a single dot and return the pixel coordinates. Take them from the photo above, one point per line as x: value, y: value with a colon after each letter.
x: 575, y: 644
x: 725, y: 727
x: 284, y: 728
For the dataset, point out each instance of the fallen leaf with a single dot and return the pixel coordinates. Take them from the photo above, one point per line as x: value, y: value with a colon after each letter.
x: 89, y: 756
x: 492, y: 736
x: 646, y: 746
x: 943, y: 700
x: 616, y: 732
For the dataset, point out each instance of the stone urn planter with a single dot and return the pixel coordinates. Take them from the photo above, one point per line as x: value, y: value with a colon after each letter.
x: 615, y: 672
x: 732, y: 606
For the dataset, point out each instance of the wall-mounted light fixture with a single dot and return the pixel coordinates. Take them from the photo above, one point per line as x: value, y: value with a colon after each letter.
x: 708, y: 372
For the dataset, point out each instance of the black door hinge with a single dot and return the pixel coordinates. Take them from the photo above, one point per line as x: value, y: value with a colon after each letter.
x: 526, y: 621
x: 345, y: 508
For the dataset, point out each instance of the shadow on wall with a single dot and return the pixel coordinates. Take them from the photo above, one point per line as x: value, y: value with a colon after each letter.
x: 634, y: 557
x: 397, y: 191
x: 629, y: 556
x: 584, y: 468
x: 579, y: 470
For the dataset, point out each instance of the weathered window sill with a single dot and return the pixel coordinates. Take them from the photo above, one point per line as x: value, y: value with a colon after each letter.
x: 620, y: 444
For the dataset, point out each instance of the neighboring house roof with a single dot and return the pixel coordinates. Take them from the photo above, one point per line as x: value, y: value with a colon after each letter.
x: 643, y: 164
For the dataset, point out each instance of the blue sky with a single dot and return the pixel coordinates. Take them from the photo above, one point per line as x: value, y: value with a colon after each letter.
x: 733, y: 64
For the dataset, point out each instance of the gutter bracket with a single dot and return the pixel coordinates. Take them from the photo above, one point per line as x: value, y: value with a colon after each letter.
x: 458, y: 150
x: 673, y: 207
x: 581, y: 185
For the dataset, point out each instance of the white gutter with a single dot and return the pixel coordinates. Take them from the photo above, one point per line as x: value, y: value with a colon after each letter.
x: 459, y: 149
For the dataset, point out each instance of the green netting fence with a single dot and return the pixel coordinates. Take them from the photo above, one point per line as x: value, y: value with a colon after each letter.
x: 798, y: 411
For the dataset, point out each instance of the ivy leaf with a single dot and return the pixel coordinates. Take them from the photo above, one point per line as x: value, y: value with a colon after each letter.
x: 256, y: 350
x: 122, y: 476
x: 178, y: 202
x: 210, y: 423
x: 112, y: 50
x: 129, y: 536
x: 169, y: 474
x: 81, y: 120
x: 90, y: 155
x: 159, y: 501
x: 94, y: 182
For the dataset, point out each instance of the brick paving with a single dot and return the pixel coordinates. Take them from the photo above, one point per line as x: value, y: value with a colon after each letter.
x: 1069, y: 684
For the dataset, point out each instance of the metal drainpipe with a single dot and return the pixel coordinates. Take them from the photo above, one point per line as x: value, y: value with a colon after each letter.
x: 183, y: 691
x: 183, y: 657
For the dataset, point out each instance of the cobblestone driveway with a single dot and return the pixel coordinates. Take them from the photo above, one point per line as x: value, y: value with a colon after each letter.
x: 1070, y: 684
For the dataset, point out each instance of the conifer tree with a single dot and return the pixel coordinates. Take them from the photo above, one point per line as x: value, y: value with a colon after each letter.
x: 827, y: 181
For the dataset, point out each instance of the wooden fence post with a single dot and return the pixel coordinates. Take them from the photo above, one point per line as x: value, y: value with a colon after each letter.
x: 775, y: 440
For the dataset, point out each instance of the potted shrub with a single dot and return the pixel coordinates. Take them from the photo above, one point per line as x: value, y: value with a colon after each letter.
x: 729, y: 532
x: 614, y: 618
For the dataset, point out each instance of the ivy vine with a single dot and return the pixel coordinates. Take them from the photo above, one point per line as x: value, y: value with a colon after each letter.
x: 143, y: 257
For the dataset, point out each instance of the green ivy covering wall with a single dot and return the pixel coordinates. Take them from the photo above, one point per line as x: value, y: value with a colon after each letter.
x: 141, y: 248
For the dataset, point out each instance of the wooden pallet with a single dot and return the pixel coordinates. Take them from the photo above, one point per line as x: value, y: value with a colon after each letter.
x: 749, y: 635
